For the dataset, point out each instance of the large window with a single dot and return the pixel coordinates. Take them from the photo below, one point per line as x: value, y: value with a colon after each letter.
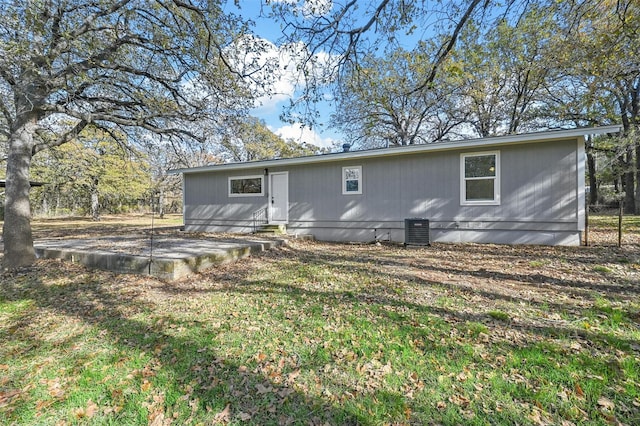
x: 246, y: 186
x: 480, y: 178
x: 352, y: 180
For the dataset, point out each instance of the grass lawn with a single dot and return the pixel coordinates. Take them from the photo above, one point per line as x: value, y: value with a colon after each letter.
x: 318, y: 333
x: 108, y: 224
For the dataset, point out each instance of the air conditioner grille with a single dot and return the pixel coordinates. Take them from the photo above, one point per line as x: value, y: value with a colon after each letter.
x: 416, y: 232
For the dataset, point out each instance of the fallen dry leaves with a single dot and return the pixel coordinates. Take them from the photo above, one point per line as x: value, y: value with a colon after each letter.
x: 489, y: 300
x: 86, y: 412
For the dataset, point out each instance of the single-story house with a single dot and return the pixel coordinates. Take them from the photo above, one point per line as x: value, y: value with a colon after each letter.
x: 516, y: 189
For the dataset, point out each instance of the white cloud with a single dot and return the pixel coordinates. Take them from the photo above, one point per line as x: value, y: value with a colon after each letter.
x: 283, y: 80
x: 309, y: 8
x: 277, y: 72
x: 317, y: 7
x: 300, y: 133
x: 274, y: 76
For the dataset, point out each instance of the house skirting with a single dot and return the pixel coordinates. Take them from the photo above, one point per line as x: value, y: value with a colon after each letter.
x: 493, y: 236
x: 450, y: 231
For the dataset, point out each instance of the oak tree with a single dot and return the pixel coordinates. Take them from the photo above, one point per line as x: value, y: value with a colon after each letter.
x: 130, y: 67
x: 337, y: 35
x: 379, y: 103
x: 90, y: 174
x: 600, y: 80
x: 504, y: 71
x: 249, y: 139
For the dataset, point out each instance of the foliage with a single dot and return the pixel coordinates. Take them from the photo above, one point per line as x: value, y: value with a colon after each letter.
x: 93, y: 164
x: 249, y: 139
x: 130, y: 65
x: 329, y: 333
x: 601, y: 69
x: 338, y: 35
x: 601, y: 76
x: 504, y: 73
x: 379, y: 106
x: 131, y: 68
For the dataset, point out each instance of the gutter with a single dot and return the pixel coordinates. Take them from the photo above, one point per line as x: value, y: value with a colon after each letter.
x: 546, y: 136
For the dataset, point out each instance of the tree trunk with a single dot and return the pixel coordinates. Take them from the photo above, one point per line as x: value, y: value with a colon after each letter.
x: 629, y: 193
x: 593, y: 182
x: 629, y: 184
x: 161, y: 203
x: 637, y: 163
x: 45, y: 204
x: 95, y: 201
x: 56, y: 209
x: 16, y: 232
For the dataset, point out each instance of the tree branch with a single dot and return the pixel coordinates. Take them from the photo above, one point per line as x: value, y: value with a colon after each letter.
x: 447, y: 47
x: 64, y: 138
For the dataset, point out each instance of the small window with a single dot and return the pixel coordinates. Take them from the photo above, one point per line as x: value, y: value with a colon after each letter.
x: 480, y: 178
x: 246, y: 186
x: 352, y: 180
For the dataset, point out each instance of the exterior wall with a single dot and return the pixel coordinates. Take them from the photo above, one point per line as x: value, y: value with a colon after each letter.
x: 208, y: 207
x: 540, y: 198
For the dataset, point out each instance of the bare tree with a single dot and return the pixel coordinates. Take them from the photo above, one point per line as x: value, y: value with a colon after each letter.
x: 127, y: 67
x: 339, y: 34
x: 378, y: 105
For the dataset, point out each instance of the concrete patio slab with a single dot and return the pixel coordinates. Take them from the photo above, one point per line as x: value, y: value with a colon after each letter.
x: 166, y: 257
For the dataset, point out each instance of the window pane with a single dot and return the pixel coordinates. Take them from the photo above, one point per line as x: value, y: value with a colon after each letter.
x: 352, y: 186
x: 480, y: 166
x: 352, y: 174
x: 481, y: 189
x: 246, y: 186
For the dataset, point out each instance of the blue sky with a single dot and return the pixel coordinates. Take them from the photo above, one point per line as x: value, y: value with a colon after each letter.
x: 271, y: 107
x: 435, y: 16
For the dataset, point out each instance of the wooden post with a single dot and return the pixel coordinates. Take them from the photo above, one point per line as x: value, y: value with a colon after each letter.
x: 620, y: 211
x: 586, y: 224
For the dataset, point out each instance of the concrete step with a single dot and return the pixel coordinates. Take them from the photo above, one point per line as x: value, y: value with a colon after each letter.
x: 272, y: 229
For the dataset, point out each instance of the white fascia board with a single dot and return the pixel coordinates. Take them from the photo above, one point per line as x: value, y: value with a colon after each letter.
x: 547, y: 136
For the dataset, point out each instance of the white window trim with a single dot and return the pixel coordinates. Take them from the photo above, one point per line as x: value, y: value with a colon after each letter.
x: 344, y: 181
x: 463, y: 180
x: 261, y: 194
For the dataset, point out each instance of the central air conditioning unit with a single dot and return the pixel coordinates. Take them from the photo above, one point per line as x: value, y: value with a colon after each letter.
x: 416, y: 232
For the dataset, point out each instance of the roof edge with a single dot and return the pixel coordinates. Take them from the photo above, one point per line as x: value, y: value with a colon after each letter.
x: 545, y: 136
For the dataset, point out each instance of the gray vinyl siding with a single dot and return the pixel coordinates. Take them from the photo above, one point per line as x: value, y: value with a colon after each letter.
x: 538, y: 182
x: 208, y: 206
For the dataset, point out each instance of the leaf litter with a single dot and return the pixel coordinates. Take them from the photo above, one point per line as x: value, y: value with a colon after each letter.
x: 328, y: 332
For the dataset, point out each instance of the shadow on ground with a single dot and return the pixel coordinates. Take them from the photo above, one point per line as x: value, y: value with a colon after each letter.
x: 214, y: 379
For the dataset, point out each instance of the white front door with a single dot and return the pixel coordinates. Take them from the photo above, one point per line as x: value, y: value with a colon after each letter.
x: 279, y: 198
